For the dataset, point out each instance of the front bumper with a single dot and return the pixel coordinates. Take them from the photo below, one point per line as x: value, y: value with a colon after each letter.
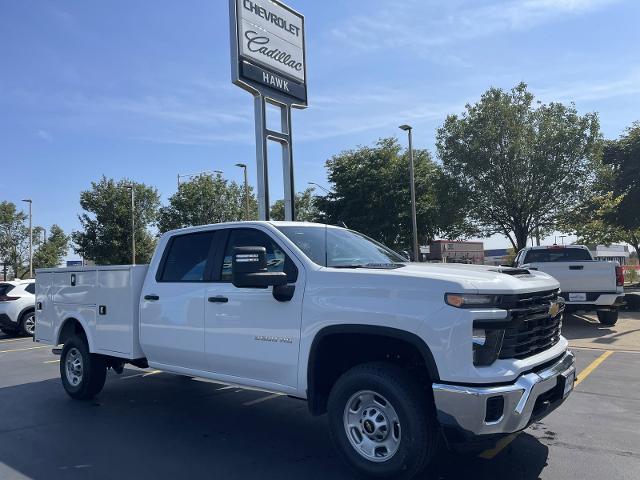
x: 465, y: 412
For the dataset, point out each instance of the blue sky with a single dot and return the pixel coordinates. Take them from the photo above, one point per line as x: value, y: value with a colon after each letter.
x: 142, y: 89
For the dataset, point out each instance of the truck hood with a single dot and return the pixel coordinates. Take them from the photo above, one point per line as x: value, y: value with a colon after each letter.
x: 481, y: 278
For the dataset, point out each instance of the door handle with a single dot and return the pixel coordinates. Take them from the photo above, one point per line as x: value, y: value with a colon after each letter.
x: 151, y: 297
x: 218, y: 299
x: 576, y: 267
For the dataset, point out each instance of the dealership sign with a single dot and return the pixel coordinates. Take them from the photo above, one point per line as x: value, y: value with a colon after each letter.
x: 268, y: 50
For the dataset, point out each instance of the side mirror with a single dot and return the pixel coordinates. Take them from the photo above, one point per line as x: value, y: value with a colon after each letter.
x: 249, y: 269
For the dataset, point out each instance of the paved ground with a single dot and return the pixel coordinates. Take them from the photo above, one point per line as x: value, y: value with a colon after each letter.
x: 160, y: 426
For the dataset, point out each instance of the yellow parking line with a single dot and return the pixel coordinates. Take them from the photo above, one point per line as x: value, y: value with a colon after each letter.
x: 592, y: 366
x: 21, y: 349
x: 500, y: 445
x: 153, y: 372
x: 504, y: 442
x: 263, y: 399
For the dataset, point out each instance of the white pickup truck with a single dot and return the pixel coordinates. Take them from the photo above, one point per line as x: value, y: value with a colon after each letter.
x: 585, y: 284
x: 398, y: 354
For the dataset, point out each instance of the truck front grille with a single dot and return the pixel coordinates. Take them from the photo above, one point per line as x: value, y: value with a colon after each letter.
x: 532, y: 328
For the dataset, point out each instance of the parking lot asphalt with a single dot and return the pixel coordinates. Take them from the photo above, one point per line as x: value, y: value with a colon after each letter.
x: 152, y: 425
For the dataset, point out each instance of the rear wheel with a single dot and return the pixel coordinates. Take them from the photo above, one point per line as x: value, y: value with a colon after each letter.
x: 28, y: 324
x: 83, y: 373
x: 382, y: 421
x: 607, y: 317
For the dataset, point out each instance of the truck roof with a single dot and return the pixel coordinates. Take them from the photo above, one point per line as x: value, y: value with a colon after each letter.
x: 274, y: 223
x: 550, y: 247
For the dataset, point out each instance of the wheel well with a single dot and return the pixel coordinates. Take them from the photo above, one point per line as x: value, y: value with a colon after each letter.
x: 334, y: 353
x: 71, y: 328
x: 25, y: 311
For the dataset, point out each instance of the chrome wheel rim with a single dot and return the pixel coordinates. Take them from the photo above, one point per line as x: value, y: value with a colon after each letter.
x: 372, y: 426
x: 30, y: 324
x: 73, y: 366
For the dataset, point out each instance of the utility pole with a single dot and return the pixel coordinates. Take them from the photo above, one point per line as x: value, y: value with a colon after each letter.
x: 412, y: 185
x: 133, y: 223
x: 30, y: 202
x: 246, y: 190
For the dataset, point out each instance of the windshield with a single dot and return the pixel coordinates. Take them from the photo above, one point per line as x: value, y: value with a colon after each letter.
x: 344, y: 248
x: 557, y: 255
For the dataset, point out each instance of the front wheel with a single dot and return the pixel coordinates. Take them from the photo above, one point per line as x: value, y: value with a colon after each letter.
x: 607, y: 317
x: 382, y: 421
x: 83, y: 373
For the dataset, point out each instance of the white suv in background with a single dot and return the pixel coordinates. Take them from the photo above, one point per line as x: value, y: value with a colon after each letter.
x: 17, y: 307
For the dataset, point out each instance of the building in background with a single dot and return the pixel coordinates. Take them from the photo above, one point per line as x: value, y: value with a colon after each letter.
x: 450, y: 251
x: 617, y: 253
x: 496, y: 256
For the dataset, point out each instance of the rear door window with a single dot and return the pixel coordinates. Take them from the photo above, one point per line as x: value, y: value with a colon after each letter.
x: 5, y: 288
x: 31, y: 288
x: 558, y: 255
x: 187, y: 258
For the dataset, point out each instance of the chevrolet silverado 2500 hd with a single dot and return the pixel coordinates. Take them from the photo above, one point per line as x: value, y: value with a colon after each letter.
x: 398, y: 354
x: 586, y: 284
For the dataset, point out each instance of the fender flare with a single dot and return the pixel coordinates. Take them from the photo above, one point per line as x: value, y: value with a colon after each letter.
x: 87, y: 334
x: 24, y: 311
x: 394, y: 333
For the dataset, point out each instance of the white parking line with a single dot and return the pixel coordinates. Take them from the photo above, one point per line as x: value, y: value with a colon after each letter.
x: 263, y: 399
x: 143, y: 374
x: 52, y: 361
x: 21, y: 349
x: 7, y: 340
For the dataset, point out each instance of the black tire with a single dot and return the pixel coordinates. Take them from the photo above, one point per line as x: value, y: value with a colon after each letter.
x: 607, y: 317
x: 418, y: 438
x: 87, y: 382
x: 28, y: 323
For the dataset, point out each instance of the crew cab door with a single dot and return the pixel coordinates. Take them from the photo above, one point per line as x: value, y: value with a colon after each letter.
x: 248, y: 333
x: 172, y: 303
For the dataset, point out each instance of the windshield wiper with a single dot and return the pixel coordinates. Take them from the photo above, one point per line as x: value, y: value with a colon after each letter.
x: 371, y: 265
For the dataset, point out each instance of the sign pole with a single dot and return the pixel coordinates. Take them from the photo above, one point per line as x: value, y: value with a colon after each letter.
x: 268, y: 59
x: 262, y: 167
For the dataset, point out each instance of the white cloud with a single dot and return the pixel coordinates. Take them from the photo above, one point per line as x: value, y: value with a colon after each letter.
x: 44, y: 135
x: 423, y: 26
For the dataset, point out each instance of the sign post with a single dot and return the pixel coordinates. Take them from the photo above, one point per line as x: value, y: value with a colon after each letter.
x: 268, y: 60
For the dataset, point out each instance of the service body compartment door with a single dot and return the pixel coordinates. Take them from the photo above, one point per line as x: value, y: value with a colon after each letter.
x: 117, y: 302
x: 44, y: 308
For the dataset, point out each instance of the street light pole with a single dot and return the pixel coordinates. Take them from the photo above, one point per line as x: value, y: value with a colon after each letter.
x: 246, y: 189
x: 412, y: 185
x: 30, y: 202
x: 133, y: 223
x: 328, y: 192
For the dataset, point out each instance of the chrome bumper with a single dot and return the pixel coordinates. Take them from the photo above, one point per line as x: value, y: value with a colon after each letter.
x: 531, y: 397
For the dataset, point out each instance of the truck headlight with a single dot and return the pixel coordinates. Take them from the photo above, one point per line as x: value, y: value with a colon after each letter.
x: 471, y: 300
x: 486, y: 345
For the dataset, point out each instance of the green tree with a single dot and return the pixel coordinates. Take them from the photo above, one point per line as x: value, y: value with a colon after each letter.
x: 14, y: 239
x: 106, y: 222
x: 609, y: 214
x: 306, y: 208
x: 50, y: 253
x: 519, y: 166
x: 371, y: 194
x: 623, y: 157
x: 204, y: 200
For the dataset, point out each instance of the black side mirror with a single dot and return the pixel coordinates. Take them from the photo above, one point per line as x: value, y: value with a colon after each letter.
x: 249, y: 269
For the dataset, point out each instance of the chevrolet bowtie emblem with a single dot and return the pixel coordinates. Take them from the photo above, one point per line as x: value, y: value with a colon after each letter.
x: 554, y: 308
